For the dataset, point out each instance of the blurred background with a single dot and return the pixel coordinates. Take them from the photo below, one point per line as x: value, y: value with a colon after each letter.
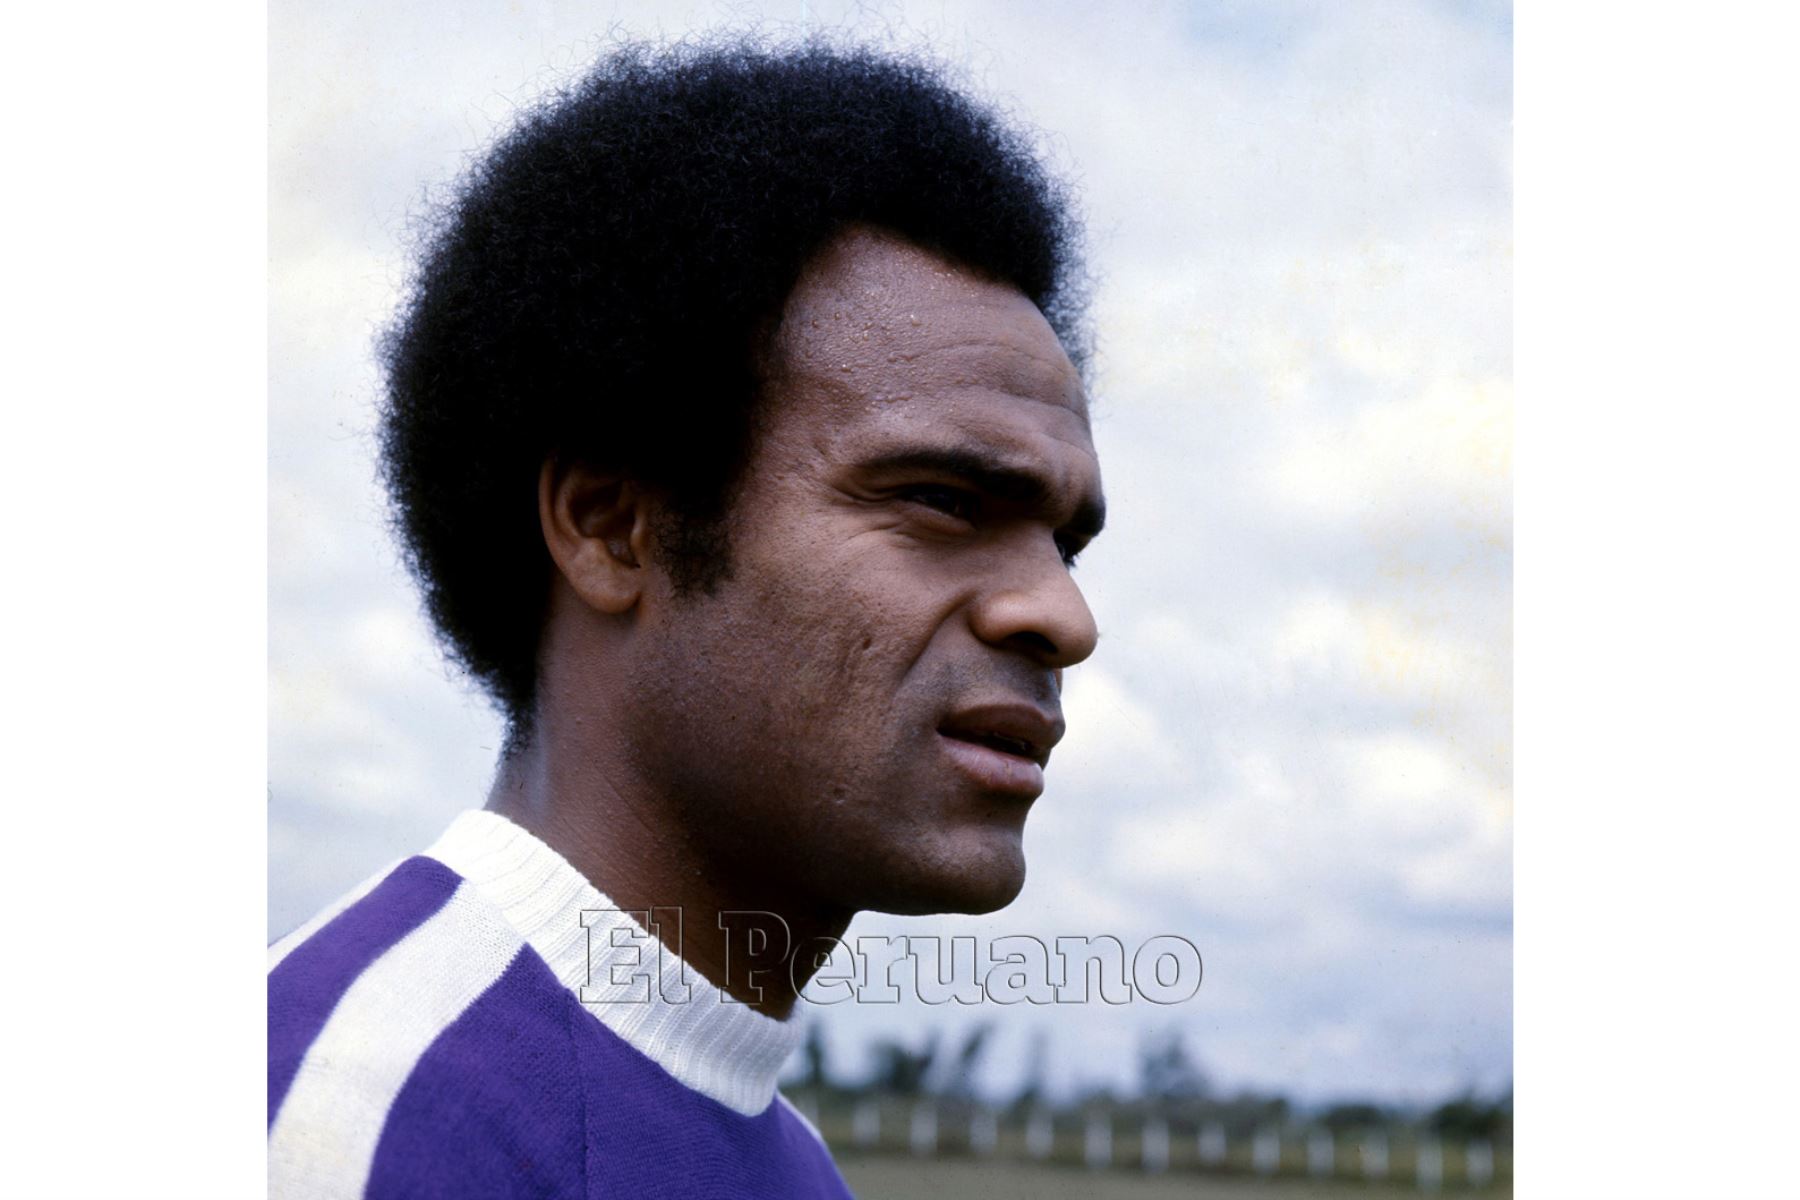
x: 1293, y: 746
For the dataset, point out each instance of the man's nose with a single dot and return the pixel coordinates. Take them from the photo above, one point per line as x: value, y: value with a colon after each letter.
x: 1036, y: 608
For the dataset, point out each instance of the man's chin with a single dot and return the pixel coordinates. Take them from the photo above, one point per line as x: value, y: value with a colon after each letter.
x: 971, y: 882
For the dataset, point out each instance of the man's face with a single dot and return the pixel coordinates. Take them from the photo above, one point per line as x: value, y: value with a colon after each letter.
x: 857, y: 718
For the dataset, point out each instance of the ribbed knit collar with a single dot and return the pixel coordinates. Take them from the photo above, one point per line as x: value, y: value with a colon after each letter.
x: 718, y: 1047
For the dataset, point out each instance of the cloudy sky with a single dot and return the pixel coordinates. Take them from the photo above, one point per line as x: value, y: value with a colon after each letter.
x: 1294, y: 745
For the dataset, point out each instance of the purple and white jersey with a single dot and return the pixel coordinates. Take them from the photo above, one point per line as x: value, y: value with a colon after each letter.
x: 428, y: 1038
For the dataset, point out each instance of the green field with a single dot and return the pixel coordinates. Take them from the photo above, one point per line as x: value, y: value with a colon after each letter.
x: 888, y: 1177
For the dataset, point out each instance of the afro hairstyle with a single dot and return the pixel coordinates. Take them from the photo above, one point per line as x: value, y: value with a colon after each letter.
x: 603, y: 284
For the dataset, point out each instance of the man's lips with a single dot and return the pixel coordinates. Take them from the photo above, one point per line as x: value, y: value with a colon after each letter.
x: 1021, y: 730
x: 1005, y: 746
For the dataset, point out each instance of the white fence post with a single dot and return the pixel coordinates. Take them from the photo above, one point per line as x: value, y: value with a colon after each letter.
x: 1212, y: 1144
x: 924, y: 1128
x: 1431, y: 1165
x: 1374, y: 1155
x: 1156, y: 1145
x: 1097, y: 1150
x: 865, y: 1123
x: 1478, y: 1164
x: 1040, y: 1135
x: 1265, y: 1152
x: 1321, y: 1152
x: 983, y: 1132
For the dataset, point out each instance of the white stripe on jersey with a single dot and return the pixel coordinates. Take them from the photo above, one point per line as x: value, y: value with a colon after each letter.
x: 324, y: 1138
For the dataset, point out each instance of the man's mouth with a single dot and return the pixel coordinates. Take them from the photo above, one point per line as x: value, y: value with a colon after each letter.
x: 995, y: 741
x: 1004, y: 747
x: 1019, y: 729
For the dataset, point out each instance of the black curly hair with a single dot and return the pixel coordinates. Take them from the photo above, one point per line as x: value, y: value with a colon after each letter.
x: 602, y: 285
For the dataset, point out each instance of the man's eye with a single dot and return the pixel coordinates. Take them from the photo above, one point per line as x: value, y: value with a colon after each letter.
x: 950, y: 501
x: 1070, y: 551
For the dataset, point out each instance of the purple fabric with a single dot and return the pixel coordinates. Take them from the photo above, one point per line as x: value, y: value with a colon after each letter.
x: 651, y: 1136
x: 306, y: 985
x: 527, y: 1094
x: 493, y: 1108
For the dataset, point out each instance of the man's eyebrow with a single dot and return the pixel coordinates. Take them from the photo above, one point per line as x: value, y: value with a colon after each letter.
x: 997, y: 477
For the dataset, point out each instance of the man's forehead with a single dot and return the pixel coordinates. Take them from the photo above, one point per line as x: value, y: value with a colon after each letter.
x: 882, y: 319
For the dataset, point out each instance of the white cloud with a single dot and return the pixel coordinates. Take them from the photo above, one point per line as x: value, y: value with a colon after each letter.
x: 1383, y: 649
x: 1113, y: 736
x: 1443, y: 454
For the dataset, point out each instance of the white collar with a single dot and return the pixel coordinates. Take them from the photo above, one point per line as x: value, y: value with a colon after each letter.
x: 718, y: 1047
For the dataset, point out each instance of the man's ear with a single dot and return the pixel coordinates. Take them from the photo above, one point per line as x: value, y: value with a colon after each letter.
x: 597, y: 528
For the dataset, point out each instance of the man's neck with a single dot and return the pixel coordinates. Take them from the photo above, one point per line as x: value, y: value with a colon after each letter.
x: 632, y: 846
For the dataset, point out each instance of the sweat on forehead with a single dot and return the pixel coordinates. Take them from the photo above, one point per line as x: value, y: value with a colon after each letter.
x: 880, y: 317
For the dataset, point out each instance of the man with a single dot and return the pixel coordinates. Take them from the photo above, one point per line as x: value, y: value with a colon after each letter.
x: 737, y: 441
